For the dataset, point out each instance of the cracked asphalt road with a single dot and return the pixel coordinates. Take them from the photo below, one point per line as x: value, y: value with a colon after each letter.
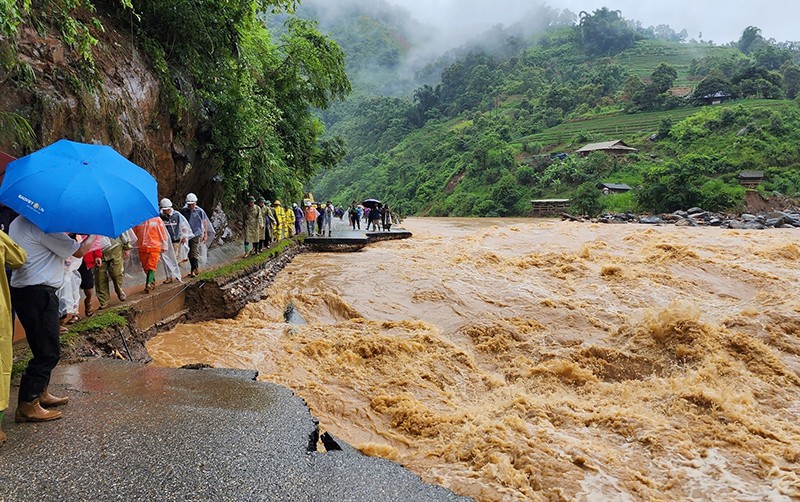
x: 136, y: 432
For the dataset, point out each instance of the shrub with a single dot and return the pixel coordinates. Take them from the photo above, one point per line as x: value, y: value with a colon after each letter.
x: 716, y: 195
x: 586, y: 200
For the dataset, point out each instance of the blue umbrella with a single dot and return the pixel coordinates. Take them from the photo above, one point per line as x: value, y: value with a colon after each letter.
x: 81, y: 188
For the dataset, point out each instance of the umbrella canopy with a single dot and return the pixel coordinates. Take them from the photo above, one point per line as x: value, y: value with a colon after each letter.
x: 371, y: 203
x: 81, y: 188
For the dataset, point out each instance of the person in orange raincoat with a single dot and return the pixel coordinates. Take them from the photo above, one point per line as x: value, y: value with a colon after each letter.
x: 152, y: 239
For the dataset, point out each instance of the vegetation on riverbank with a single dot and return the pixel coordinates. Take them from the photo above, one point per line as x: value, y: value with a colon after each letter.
x: 236, y: 267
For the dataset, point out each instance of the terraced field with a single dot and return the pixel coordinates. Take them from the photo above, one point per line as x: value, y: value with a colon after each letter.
x: 624, y: 126
x: 647, y: 54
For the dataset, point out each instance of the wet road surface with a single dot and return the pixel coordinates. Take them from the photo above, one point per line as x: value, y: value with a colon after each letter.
x: 134, y: 432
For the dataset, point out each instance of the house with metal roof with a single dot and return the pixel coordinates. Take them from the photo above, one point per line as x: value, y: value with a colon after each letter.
x: 617, y: 147
x: 614, y: 187
x: 751, y: 179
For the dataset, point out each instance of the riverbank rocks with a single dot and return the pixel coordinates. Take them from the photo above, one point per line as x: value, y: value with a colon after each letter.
x: 697, y: 217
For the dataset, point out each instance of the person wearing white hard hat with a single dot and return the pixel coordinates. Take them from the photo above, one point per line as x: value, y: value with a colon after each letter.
x: 199, y: 223
x: 179, y: 234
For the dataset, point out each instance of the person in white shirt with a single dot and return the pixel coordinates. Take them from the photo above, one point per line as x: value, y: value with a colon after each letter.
x: 33, y: 295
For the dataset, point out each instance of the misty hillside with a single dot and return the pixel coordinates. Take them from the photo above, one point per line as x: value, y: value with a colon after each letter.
x: 475, y: 136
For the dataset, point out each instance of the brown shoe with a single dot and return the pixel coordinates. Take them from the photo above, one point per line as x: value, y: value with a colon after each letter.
x: 87, y: 307
x: 32, y: 411
x: 3, y: 437
x: 48, y: 400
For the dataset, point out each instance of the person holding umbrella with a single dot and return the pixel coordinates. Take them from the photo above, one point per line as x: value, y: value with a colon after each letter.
x: 33, y: 295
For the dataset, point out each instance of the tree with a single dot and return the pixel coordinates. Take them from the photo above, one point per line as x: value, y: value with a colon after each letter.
x: 605, y: 32
x: 750, y: 40
x: 791, y: 80
x: 715, y: 82
x: 586, y: 200
x: 663, y: 77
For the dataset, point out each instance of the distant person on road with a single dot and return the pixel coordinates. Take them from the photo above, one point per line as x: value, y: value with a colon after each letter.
x: 252, y: 225
x: 200, y: 225
x: 269, y: 222
x: 320, y: 218
x: 280, y: 219
x: 327, y: 219
x: 290, y: 221
x: 33, y: 295
x: 12, y: 256
x: 355, y: 220
x: 374, y: 218
x: 310, y: 217
x: 298, y: 218
x: 387, y: 218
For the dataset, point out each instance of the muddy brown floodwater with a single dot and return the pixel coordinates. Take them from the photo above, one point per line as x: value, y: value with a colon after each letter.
x: 538, y: 359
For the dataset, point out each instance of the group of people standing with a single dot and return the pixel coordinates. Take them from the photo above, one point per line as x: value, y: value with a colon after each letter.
x: 379, y: 217
x: 50, y: 269
x: 266, y: 222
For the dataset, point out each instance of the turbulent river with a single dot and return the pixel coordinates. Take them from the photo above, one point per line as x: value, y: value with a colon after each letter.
x: 511, y: 359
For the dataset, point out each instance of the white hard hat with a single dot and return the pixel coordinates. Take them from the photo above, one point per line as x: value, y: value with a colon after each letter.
x: 165, y: 203
x: 191, y: 198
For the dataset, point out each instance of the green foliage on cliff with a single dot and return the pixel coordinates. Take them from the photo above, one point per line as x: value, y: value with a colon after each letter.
x: 253, y: 92
x: 478, y: 141
x: 242, y: 95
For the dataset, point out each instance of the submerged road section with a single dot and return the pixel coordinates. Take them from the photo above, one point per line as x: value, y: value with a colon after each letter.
x: 136, y: 432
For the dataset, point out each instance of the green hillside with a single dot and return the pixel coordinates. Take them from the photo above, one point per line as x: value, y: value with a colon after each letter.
x: 647, y: 54
x: 477, y: 142
x: 629, y: 127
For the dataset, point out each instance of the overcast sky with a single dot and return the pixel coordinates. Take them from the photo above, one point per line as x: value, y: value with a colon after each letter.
x: 720, y: 21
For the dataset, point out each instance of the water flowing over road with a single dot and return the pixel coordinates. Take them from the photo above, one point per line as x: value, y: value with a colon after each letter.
x: 512, y: 359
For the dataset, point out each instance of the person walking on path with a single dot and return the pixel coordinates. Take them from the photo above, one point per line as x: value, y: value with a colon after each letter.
x: 311, y: 218
x: 199, y: 223
x: 262, y: 225
x: 114, y: 253
x: 289, y: 221
x: 152, y: 240
x: 320, y: 217
x: 179, y: 233
x: 387, y: 218
x: 354, y: 217
x: 327, y: 219
x: 13, y: 257
x: 271, y: 223
x: 91, y: 260
x: 252, y: 225
x: 280, y: 218
x: 33, y: 295
x: 298, y: 218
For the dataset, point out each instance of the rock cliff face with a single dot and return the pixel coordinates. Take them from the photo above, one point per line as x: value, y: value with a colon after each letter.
x: 126, y: 111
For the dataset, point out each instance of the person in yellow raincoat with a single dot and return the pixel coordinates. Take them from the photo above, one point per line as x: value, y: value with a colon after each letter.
x: 152, y: 239
x: 289, y: 220
x: 280, y: 220
x: 11, y: 256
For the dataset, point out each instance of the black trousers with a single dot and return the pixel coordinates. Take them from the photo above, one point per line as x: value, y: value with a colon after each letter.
x: 37, y: 309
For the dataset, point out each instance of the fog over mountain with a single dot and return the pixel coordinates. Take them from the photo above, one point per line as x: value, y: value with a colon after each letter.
x: 720, y: 21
